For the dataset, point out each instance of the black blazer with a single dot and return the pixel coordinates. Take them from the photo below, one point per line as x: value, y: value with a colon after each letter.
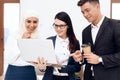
x: 107, y: 45
x: 71, y: 67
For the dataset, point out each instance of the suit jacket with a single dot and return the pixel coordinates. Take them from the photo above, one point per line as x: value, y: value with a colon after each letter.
x: 71, y: 67
x: 107, y: 45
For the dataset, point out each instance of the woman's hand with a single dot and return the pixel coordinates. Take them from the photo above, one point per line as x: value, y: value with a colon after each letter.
x: 77, y: 55
x: 26, y: 35
x: 33, y: 63
x: 42, y: 64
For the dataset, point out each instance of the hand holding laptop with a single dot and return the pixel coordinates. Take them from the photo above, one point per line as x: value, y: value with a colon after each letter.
x: 32, y: 49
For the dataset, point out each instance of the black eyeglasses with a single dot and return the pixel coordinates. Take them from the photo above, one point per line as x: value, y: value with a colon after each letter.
x: 62, y: 26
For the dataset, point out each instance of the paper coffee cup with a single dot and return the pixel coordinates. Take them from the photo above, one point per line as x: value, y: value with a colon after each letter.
x: 86, y: 48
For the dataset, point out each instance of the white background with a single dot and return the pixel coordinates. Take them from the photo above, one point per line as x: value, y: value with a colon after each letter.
x: 47, y: 9
x: 116, y: 11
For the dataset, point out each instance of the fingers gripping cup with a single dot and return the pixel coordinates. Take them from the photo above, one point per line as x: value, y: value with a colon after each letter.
x: 86, y: 48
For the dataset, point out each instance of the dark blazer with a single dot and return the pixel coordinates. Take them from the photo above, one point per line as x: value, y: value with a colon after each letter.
x: 107, y: 45
x: 71, y: 67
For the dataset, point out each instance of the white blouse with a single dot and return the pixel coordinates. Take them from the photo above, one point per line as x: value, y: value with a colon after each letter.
x: 62, y: 54
x: 62, y: 50
x: 12, y: 52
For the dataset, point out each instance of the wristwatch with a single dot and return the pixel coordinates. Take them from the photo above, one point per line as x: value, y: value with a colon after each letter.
x: 100, y: 59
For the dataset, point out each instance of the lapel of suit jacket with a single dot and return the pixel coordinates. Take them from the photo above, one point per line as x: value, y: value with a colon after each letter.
x: 87, y: 36
x: 54, y: 39
x: 101, y: 30
x: 90, y: 35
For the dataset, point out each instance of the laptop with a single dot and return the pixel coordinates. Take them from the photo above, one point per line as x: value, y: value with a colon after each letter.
x: 31, y: 49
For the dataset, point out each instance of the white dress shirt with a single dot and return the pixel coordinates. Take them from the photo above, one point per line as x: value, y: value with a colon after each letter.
x: 95, y: 29
x: 62, y: 53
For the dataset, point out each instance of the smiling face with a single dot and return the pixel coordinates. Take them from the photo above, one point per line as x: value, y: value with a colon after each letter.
x: 60, y: 28
x: 91, y: 12
x: 31, y: 24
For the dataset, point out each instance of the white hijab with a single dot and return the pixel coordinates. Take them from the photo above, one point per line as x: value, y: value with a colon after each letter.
x: 22, y: 28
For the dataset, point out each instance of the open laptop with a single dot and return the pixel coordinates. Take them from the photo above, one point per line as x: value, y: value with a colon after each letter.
x: 31, y: 49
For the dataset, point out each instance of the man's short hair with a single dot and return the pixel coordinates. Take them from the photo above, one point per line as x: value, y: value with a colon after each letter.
x: 82, y: 2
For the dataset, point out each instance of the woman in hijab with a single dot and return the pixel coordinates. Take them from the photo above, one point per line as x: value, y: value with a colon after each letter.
x: 18, y: 69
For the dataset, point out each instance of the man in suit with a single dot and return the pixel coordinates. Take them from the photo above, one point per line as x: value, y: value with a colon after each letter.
x: 103, y: 63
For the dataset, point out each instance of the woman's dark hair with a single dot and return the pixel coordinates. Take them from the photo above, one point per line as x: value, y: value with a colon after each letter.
x: 63, y: 16
x: 82, y: 2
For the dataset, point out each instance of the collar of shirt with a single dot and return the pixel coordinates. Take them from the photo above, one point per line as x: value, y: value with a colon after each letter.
x: 99, y: 24
x: 62, y: 40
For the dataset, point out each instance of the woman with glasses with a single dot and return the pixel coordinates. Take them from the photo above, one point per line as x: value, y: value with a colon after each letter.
x: 65, y: 43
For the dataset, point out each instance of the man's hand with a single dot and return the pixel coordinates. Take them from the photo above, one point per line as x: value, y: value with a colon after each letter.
x: 92, y: 58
